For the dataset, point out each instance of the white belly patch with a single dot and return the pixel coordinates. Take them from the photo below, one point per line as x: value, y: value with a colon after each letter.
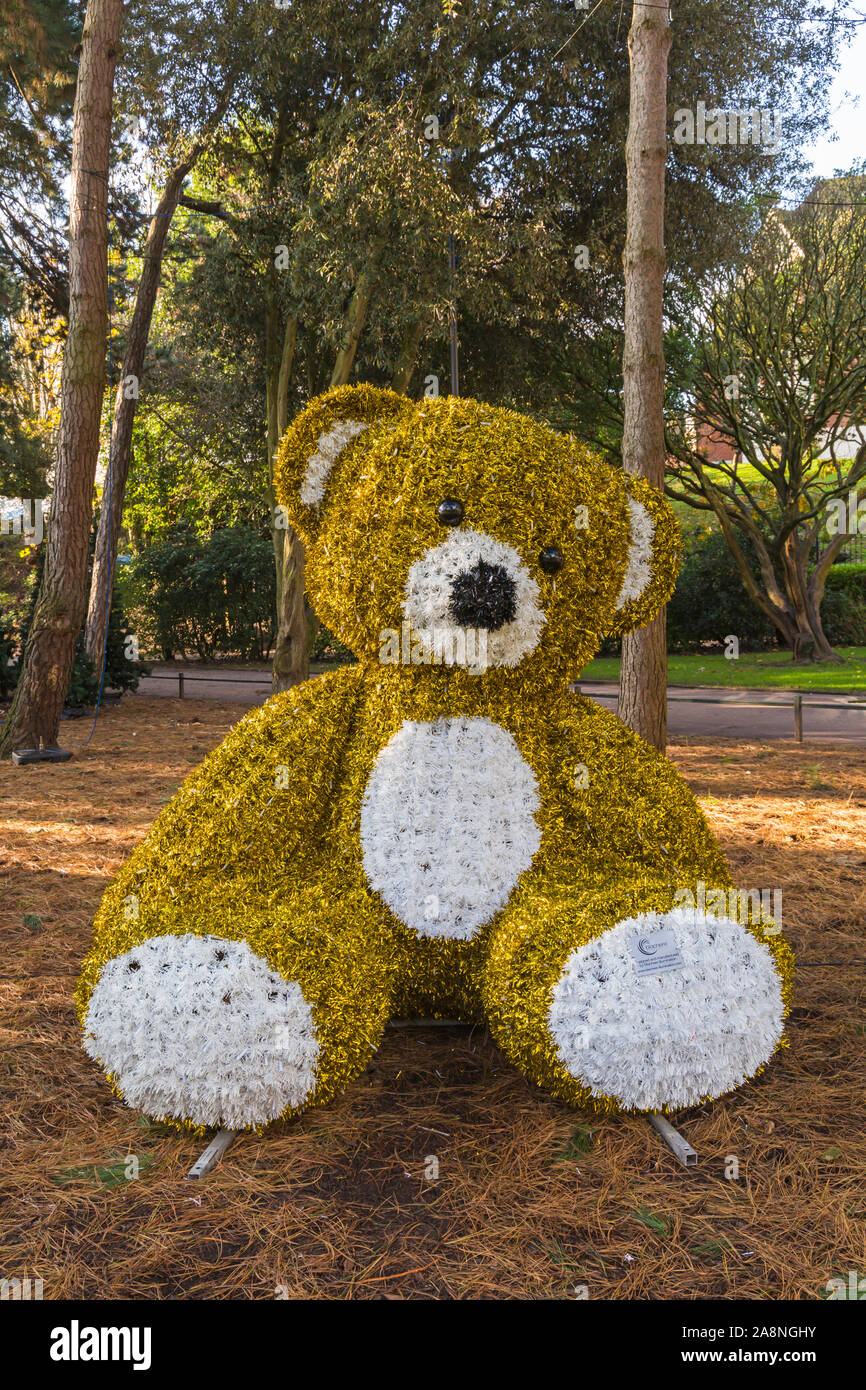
x: 448, y: 824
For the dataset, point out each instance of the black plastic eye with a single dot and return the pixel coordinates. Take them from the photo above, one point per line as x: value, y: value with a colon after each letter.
x: 551, y: 560
x: 449, y: 512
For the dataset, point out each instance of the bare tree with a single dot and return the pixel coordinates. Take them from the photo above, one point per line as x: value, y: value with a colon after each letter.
x: 34, y: 718
x: 126, y: 398
x: 643, y: 679
x: 779, y: 374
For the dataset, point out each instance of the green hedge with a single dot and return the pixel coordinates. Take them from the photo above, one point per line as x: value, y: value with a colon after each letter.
x: 710, y: 601
x: 843, y: 610
x: 213, y: 595
x: 848, y: 576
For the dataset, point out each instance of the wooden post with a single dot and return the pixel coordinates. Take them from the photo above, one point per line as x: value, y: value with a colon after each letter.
x: 180, y: 685
x: 798, y: 718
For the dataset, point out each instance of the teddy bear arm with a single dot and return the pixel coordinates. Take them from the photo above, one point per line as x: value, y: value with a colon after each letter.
x: 629, y: 805
x: 670, y: 826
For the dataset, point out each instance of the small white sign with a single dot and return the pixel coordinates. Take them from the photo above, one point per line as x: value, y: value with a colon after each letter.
x: 655, y: 952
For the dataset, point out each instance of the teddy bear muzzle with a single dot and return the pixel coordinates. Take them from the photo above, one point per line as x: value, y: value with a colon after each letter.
x: 475, y: 582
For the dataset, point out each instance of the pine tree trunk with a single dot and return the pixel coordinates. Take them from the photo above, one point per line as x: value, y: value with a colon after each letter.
x: 643, y: 680
x: 292, y: 647
x: 34, y: 718
x: 125, y: 403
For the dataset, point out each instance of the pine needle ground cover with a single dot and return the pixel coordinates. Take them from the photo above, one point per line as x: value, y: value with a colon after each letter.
x: 441, y: 1172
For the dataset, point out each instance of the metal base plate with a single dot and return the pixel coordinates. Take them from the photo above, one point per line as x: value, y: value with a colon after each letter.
x: 41, y: 755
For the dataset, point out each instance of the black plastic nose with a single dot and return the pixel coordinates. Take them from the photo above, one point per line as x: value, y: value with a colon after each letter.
x: 484, y: 596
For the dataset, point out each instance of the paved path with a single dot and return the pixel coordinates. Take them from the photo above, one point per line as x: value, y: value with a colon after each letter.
x: 250, y: 686
x: 740, y: 713
x: 753, y: 713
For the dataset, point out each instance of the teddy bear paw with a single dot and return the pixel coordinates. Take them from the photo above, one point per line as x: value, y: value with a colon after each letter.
x: 667, y: 1009
x: 199, y: 1028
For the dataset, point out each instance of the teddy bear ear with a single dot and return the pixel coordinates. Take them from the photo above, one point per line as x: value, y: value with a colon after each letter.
x: 653, y: 557
x: 319, y: 440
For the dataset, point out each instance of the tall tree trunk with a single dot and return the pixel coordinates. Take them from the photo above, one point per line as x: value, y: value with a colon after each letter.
x: 643, y: 680
x: 292, y: 646
x: 404, y: 367
x: 125, y: 403
x: 356, y: 315
x: 291, y: 650
x: 291, y: 663
x: 50, y: 651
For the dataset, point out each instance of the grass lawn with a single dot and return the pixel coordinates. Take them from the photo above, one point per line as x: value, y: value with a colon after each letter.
x: 773, y: 670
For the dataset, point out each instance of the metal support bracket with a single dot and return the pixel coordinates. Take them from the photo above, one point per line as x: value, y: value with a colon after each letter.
x: 674, y: 1140
x: 221, y: 1141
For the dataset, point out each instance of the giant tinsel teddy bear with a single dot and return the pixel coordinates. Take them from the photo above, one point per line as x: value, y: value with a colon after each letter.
x: 444, y: 828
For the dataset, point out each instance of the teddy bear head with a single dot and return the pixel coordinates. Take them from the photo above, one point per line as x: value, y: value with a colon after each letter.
x: 447, y: 537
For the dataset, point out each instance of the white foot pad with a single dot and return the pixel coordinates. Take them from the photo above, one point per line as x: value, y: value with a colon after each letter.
x: 199, y: 1028
x: 674, y: 1038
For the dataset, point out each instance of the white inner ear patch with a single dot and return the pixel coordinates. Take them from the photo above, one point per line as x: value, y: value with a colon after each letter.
x: 639, y: 570
x: 329, y: 446
x: 448, y: 824
x: 430, y: 589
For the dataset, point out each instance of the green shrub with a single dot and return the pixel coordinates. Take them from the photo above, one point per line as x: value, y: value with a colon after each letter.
x: 710, y: 601
x: 851, y: 577
x: 326, y: 647
x: 8, y: 647
x: 160, y: 596
x: 215, y: 596
x: 843, y: 618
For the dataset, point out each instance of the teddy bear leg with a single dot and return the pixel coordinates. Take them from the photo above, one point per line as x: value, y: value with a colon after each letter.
x: 571, y: 1001
x: 207, y: 1029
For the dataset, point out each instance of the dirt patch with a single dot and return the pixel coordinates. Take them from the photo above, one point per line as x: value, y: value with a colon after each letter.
x: 531, y: 1199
